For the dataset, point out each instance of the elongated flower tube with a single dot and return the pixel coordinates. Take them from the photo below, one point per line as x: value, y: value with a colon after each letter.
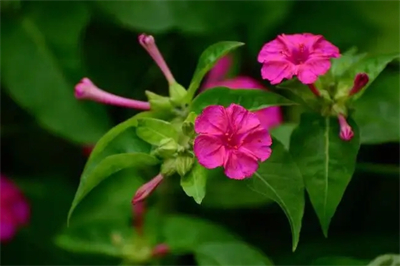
x: 85, y: 89
x: 233, y: 138
x: 149, y: 44
x: 346, y: 132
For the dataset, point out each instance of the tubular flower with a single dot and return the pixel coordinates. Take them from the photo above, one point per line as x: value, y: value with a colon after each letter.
x: 346, y: 132
x: 306, y: 56
x: 233, y: 138
x: 15, y: 211
x: 269, y: 117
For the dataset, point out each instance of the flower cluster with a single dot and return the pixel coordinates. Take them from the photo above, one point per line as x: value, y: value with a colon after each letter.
x: 14, y: 209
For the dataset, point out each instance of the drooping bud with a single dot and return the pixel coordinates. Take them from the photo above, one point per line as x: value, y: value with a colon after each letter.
x: 87, y: 90
x: 148, y: 43
x: 346, y: 132
x: 145, y: 190
x: 360, y: 81
x: 160, y: 250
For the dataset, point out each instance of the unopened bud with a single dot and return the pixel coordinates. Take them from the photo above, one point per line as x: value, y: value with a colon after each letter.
x: 360, y: 81
x: 145, y: 190
x: 346, y: 132
x: 184, y: 163
x: 188, y: 125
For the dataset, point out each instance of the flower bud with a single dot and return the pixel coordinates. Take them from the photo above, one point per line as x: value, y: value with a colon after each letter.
x: 160, y: 250
x: 360, y: 81
x: 177, y: 94
x: 168, y: 167
x: 145, y: 190
x: 184, y: 163
x: 188, y: 125
x: 167, y: 148
x: 346, y: 132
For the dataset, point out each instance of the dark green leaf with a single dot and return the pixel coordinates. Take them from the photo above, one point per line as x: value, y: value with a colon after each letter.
x: 43, y: 90
x: 184, y: 234
x: 279, y: 179
x: 334, y: 261
x: 386, y: 260
x: 230, y: 253
x: 326, y: 162
x: 120, y: 139
x: 282, y: 133
x: 154, y: 131
x: 194, y: 183
x: 207, y: 60
x: 377, y: 112
x: 249, y: 99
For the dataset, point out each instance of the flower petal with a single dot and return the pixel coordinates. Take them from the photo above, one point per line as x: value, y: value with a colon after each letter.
x: 270, y: 117
x: 241, y: 120
x: 239, y: 165
x: 308, y: 72
x: 212, y: 120
x: 276, y: 71
x: 257, y: 143
x: 272, y: 51
x: 209, y: 151
x: 324, y: 48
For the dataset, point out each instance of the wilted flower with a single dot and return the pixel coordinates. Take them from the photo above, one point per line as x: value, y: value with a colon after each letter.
x: 269, y: 117
x: 14, y: 209
x: 233, y: 138
x: 346, y: 133
x: 306, y: 56
x: 85, y: 89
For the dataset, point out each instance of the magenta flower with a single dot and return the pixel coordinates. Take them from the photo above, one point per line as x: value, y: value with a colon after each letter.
x: 306, y: 56
x: 233, y: 138
x: 269, y: 117
x: 346, y: 132
x: 14, y: 209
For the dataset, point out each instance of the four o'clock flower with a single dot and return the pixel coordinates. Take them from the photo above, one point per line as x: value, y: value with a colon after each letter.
x: 233, y: 138
x: 14, y: 209
x: 85, y: 89
x: 346, y: 133
x: 306, y: 56
x: 269, y: 117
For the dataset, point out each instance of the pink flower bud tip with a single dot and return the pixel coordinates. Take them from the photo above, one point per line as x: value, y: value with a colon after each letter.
x: 360, y: 81
x: 146, y: 40
x: 83, y: 87
x: 346, y: 132
x: 160, y: 250
x: 145, y: 190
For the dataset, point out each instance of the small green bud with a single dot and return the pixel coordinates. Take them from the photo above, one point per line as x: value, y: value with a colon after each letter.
x: 167, y: 148
x: 184, y: 163
x: 188, y: 125
x: 177, y: 94
x: 168, y: 167
x: 158, y: 102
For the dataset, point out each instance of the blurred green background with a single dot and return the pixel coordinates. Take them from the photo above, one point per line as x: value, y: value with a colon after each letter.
x: 48, y: 46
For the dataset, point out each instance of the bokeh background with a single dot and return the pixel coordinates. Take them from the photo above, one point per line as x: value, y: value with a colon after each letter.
x: 48, y: 46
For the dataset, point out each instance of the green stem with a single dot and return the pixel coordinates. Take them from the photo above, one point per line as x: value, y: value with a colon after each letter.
x: 388, y: 169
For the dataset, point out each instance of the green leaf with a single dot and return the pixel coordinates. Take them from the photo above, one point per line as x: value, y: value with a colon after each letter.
x: 44, y: 91
x: 377, y: 112
x: 194, y: 183
x: 249, y: 99
x: 326, y: 162
x: 334, y: 261
x: 372, y: 65
x: 154, y: 131
x: 386, y: 260
x: 184, y: 234
x: 279, y: 179
x: 231, y: 253
x: 282, y: 133
x: 120, y: 139
x: 207, y: 60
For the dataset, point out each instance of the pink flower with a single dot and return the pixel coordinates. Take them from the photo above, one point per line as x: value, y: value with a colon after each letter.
x: 14, y: 209
x: 233, y: 138
x: 269, y: 117
x: 346, y: 132
x: 306, y: 56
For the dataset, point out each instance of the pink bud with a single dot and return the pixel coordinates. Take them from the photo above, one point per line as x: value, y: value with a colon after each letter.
x: 138, y: 216
x: 346, y: 133
x: 160, y: 250
x: 87, y: 90
x: 360, y: 81
x: 148, y: 43
x: 146, y: 189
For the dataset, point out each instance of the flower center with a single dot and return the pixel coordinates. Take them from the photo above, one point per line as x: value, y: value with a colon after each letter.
x: 231, y: 141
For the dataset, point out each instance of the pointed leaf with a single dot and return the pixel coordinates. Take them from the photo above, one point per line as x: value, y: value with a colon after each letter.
x: 230, y: 253
x: 326, y: 162
x: 207, y: 60
x: 386, y: 260
x: 194, y: 183
x: 279, y: 179
x: 249, y: 99
x: 154, y: 131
